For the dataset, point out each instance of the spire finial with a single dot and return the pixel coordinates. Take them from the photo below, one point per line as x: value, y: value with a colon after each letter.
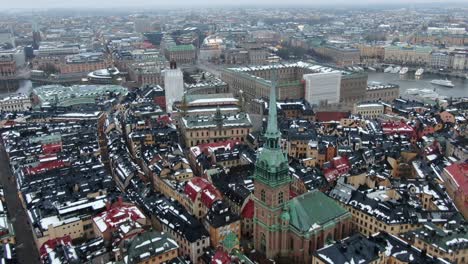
x: 272, y: 112
x: 272, y: 133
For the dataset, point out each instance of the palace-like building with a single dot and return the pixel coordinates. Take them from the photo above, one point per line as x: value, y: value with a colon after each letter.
x: 284, y: 226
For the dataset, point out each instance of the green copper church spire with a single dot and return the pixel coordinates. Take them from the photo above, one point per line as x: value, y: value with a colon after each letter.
x: 272, y: 128
x: 272, y: 166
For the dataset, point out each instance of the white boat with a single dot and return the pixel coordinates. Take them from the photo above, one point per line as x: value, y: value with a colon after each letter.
x: 371, y: 68
x: 404, y: 70
x: 412, y: 91
x: 446, y: 83
x: 419, y: 72
x: 388, y: 69
x: 422, y: 94
x: 396, y: 69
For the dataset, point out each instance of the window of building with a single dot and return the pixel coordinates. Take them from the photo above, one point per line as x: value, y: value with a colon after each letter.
x: 263, y: 195
x: 280, y: 197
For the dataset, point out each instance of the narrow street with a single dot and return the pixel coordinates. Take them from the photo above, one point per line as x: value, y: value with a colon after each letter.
x: 26, y: 251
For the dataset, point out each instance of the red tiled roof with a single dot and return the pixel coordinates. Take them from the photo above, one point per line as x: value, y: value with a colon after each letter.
x: 340, y: 162
x: 397, y: 127
x: 147, y: 45
x: 9, y: 123
x: 221, y: 144
x: 221, y: 257
x: 331, y: 174
x: 248, y: 210
x: 51, y: 148
x: 194, y: 186
x: 209, y: 195
x: 45, y: 166
x: 340, y: 166
x: 459, y: 173
x: 117, y: 215
x: 330, y: 116
x: 165, y: 119
x: 50, y: 244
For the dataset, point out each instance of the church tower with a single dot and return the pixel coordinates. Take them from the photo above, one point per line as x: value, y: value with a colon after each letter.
x: 36, y: 34
x: 271, y: 195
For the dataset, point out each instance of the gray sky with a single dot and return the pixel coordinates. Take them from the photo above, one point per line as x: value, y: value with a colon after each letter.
x: 6, y: 4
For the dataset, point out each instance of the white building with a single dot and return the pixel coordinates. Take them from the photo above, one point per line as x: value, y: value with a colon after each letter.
x: 322, y: 87
x: 173, y: 86
x: 370, y: 110
x: 19, y: 102
x: 450, y: 30
x: 440, y: 60
x: 56, y: 50
x: 459, y: 61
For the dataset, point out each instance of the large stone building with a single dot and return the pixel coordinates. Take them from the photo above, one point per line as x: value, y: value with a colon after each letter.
x: 285, y: 226
x: 183, y: 54
x: 83, y: 63
x: 342, y: 56
x: 382, y: 92
x: 459, y: 59
x: 215, y: 127
x: 371, y: 53
x: 146, y: 73
x: 369, y: 110
x: 254, y: 82
x: 412, y: 55
x: 441, y: 38
x: 10, y: 61
x: 7, y: 66
x: 440, y: 60
x: 20, y: 102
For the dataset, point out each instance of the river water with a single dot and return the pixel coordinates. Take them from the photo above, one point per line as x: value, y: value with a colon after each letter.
x: 404, y: 81
x: 408, y: 81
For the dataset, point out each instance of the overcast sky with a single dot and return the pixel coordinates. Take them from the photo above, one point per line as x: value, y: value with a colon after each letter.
x: 7, y: 4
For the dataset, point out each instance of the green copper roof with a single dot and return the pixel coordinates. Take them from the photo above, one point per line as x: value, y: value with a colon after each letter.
x: 313, y: 211
x: 230, y: 241
x: 189, y: 47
